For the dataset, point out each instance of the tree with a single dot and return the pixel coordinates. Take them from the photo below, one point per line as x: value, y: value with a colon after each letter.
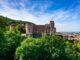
x: 45, y: 48
x: 3, y: 46
x: 8, y: 44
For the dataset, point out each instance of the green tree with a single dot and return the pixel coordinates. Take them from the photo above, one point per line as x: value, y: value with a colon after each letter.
x: 3, y: 46
x: 8, y: 44
x: 45, y: 48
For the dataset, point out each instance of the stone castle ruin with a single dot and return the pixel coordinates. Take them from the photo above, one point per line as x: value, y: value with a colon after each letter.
x: 31, y: 28
x: 49, y: 29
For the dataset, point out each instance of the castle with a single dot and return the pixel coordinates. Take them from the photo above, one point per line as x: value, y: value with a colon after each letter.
x: 31, y: 28
x: 49, y: 29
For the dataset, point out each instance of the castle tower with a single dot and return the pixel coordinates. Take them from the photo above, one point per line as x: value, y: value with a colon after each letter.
x: 29, y: 28
x: 52, y: 28
x: 12, y: 27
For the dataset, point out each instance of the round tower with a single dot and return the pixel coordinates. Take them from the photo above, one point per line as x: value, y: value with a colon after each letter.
x: 12, y: 27
x: 29, y: 28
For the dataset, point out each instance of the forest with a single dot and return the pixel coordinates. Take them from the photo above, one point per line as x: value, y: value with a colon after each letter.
x: 13, y: 46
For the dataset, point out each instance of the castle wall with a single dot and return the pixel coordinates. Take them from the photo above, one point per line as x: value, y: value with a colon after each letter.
x: 47, y: 29
x: 39, y: 29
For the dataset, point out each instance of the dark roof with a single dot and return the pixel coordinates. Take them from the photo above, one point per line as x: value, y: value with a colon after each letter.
x: 13, y: 24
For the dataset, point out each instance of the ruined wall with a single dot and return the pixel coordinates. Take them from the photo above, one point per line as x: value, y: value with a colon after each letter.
x: 39, y: 28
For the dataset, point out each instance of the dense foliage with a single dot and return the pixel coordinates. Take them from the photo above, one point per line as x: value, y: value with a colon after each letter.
x: 9, y: 41
x: 48, y: 48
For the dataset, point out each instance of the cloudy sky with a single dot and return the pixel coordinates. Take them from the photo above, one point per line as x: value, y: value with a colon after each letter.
x: 65, y: 13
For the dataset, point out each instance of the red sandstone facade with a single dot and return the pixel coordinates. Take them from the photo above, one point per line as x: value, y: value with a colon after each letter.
x: 47, y: 28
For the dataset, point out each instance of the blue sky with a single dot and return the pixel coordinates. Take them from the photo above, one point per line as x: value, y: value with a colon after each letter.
x: 65, y: 13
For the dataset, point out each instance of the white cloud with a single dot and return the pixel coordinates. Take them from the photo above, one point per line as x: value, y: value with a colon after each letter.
x: 65, y: 20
